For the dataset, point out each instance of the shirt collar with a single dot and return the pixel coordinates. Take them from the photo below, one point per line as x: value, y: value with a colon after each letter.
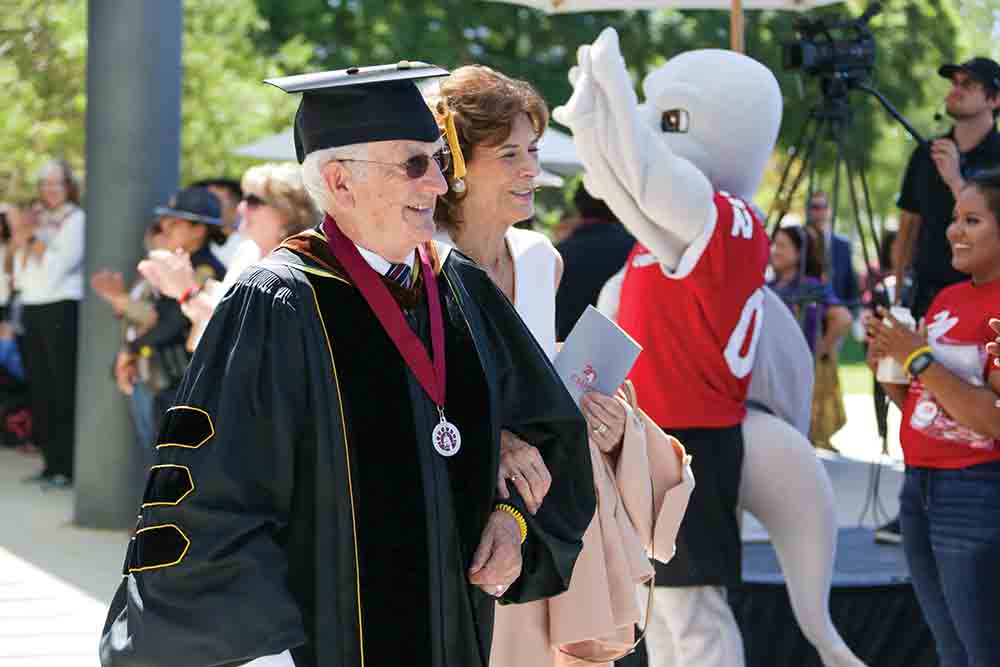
x: 379, y: 263
x: 990, y: 139
x: 57, y: 215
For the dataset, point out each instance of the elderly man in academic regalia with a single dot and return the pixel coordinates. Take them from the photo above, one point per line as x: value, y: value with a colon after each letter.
x: 325, y: 491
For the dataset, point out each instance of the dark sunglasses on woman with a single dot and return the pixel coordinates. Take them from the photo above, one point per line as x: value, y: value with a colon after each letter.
x: 253, y: 201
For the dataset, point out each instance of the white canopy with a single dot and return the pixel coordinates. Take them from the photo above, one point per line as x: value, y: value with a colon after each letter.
x: 280, y: 147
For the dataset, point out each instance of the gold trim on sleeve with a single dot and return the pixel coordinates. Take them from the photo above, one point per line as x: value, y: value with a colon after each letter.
x: 186, y: 493
x: 187, y: 545
x: 211, y: 428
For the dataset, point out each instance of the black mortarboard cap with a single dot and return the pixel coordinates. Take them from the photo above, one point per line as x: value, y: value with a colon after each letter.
x: 361, y: 104
x: 983, y: 70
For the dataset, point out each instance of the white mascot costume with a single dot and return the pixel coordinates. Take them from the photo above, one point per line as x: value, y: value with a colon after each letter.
x: 679, y: 172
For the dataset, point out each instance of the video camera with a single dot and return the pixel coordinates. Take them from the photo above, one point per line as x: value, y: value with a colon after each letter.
x: 817, y: 51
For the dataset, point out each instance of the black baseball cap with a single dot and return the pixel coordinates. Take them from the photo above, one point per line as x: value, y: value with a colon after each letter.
x: 194, y: 204
x: 361, y: 104
x: 983, y: 70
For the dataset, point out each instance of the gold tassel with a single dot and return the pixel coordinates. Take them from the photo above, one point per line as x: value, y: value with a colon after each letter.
x: 457, y: 159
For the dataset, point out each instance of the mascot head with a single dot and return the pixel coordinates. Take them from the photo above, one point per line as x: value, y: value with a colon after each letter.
x: 719, y: 109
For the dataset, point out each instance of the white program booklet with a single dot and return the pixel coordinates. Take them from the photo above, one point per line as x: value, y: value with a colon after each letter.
x: 597, y: 355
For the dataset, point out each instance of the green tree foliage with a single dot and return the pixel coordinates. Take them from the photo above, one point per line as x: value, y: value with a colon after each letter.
x: 913, y: 38
x: 230, y: 45
x: 224, y: 103
x: 43, y: 51
x: 43, y: 47
x: 980, y: 20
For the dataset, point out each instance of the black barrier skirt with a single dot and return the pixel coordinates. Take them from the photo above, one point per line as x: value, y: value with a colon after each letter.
x: 872, y: 604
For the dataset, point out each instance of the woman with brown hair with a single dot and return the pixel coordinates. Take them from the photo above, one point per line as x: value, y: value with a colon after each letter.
x: 493, y: 124
x: 796, y: 253
x: 950, y: 434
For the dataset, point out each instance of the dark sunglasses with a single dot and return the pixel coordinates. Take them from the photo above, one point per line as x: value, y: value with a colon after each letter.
x: 819, y: 205
x: 253, y: 201
x: 417, y: 166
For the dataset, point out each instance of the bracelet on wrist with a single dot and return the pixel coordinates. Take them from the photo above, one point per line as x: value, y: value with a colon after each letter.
x: 522, y: 525
x: 913, y: 355
x: 188, y: 294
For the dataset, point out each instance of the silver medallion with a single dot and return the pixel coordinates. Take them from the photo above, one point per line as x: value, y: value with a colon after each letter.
x: 446, y: 437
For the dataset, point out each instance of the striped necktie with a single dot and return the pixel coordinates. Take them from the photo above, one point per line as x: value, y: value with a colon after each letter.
x: 399, y: 273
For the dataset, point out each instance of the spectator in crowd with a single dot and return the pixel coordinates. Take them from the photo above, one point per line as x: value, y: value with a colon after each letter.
x: 950, y: 433
x: 190, y: 222
x: 17, y: 225
x: 139, y: 379
x: 49, y: 277
x: 837, y: 258
x: 796, y: 258
x: 594, y: 251
x: 275, y: 206
x: 937, y: 172
x: 229, y: 193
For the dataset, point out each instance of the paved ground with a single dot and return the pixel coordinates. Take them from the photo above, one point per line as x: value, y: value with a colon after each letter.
x: 56, y: 579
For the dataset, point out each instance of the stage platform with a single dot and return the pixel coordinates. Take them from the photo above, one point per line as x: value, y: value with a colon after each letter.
x: 871, y: 602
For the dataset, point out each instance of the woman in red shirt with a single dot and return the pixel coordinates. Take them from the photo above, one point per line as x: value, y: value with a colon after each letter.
x: 950, y: 432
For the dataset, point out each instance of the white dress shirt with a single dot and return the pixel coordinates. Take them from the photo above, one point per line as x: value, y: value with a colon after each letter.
x: 379, y: 263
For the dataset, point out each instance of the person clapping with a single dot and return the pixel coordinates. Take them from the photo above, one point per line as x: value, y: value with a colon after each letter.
x: 950, y: 434
x: 275, y: 206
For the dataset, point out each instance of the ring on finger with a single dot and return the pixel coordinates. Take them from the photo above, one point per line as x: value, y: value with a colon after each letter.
x: 601, y: 428
x: 513, y: 478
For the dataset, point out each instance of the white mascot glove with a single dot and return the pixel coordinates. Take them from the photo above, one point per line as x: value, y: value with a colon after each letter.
x: 664, y: 200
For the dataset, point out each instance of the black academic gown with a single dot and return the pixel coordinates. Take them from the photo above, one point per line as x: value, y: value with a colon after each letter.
x: 298, y: 501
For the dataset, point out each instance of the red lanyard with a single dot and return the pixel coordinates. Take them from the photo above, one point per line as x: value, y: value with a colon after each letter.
x: 430, y: 375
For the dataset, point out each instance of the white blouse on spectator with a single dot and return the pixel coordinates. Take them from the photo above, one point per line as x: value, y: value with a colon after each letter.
x: 58, y: 274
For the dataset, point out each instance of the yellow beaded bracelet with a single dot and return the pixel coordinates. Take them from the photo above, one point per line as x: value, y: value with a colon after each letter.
x: 913, y: 355
x: 521, y: 523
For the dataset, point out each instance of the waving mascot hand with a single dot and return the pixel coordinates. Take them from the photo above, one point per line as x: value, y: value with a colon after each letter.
x: 679, y: 171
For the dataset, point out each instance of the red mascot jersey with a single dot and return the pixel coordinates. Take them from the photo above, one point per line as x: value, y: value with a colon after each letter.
x: 698, y: 325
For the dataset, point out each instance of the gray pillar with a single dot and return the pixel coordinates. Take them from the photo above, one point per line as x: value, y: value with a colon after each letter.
x: 133, y: 143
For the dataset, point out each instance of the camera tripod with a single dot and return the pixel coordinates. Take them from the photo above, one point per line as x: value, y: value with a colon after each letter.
x: 829, y: 122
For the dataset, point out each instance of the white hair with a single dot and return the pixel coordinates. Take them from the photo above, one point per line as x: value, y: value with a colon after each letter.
x: 283, y: 172
x: 312, y: 171
x: 53, y: 167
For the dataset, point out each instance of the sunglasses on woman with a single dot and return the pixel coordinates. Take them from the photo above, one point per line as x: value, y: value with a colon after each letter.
x: 417, y: 166
x: 253, y: 201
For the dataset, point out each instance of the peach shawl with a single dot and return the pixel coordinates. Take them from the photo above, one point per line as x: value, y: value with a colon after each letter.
x: 642, y: 497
